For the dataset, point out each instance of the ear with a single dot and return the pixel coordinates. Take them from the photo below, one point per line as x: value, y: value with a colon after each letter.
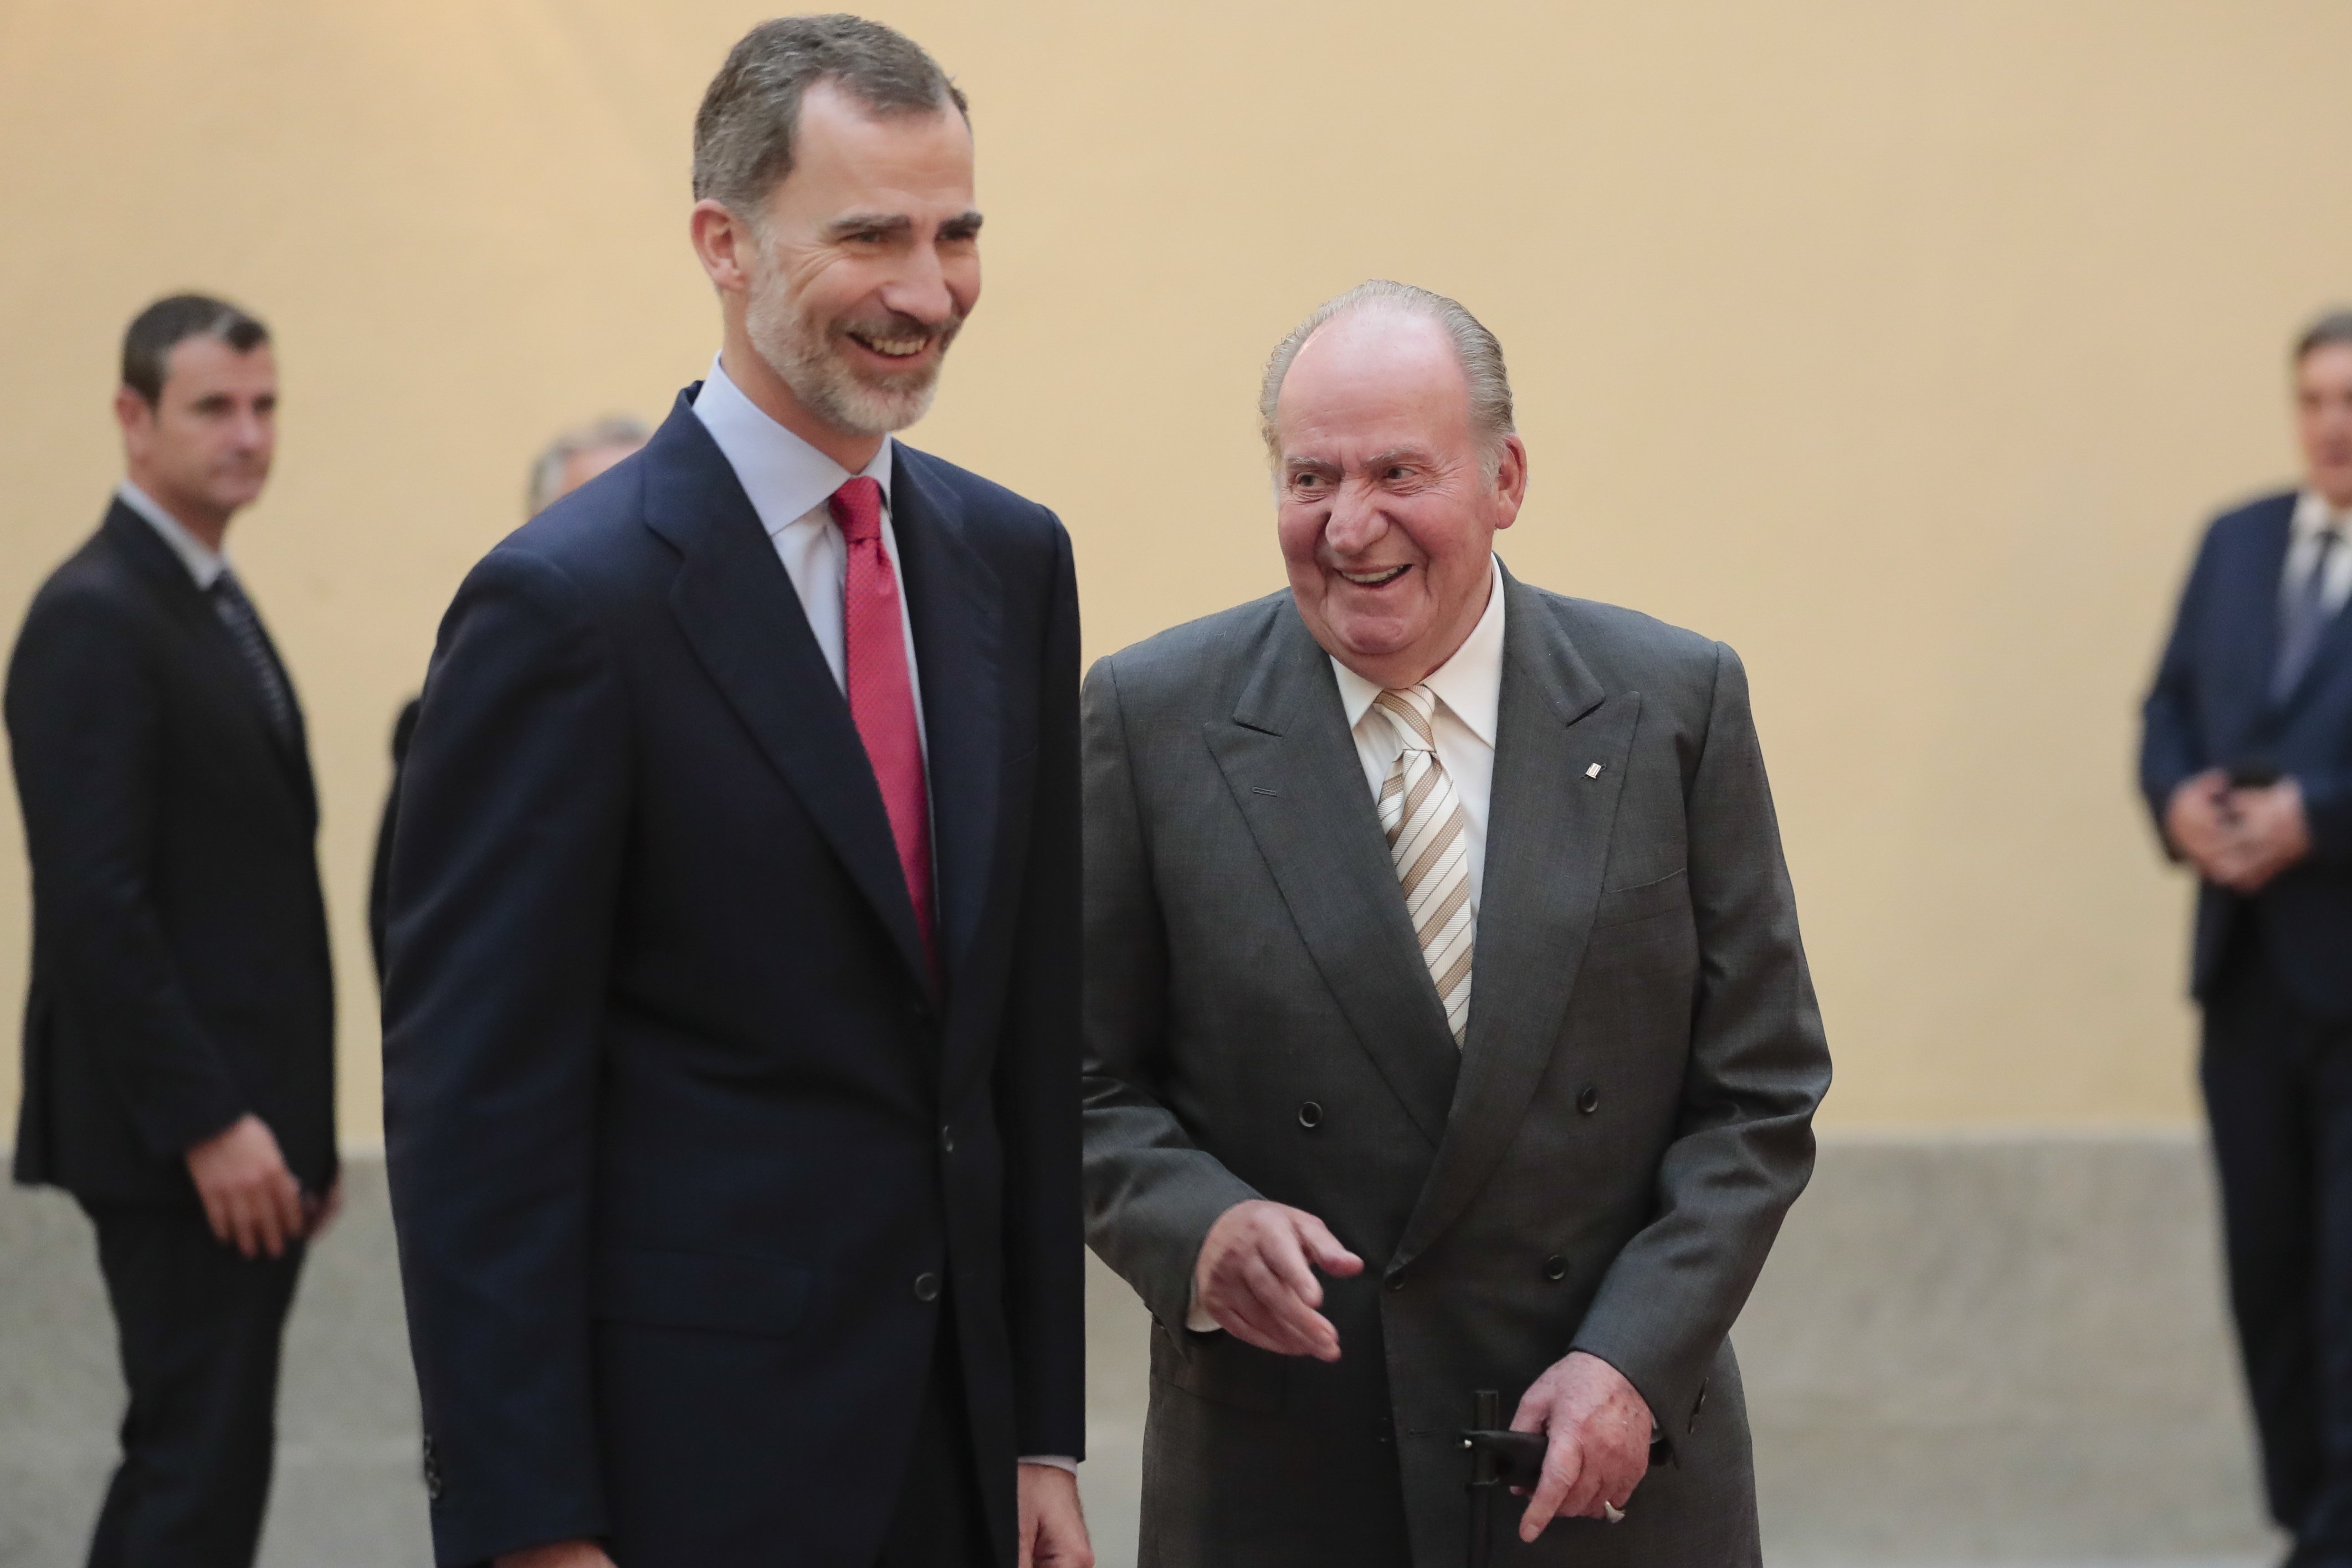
x: 1511, y: 481
x: 133, y: 415
x: 721, y: 239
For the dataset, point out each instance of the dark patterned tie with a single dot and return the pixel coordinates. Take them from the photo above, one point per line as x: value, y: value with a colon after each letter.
x: 2305, y: 618
x: 236, y: 612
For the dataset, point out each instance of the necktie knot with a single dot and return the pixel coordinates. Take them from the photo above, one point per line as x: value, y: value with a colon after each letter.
x: 1412, y: 711
x: 857, y: 507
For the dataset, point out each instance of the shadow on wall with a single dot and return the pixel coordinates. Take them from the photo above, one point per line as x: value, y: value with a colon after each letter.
x: 1964, y: 1351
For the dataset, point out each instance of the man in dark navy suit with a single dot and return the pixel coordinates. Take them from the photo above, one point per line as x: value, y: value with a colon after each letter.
x: 2247, y: 764
x: 179, y: 1037
x: 731, y: 1057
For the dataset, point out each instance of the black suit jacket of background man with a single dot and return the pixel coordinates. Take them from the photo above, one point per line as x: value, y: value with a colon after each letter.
x: 181, y: 976
x: 2212, y: 706
x: 1601, y: 1165
x: 681, y: 1138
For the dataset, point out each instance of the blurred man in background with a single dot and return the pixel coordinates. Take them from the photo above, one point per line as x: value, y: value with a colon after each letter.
x: 2247, y: 765
x: 179, y: 1038
x: 574, y: 457
x: 571, y: 460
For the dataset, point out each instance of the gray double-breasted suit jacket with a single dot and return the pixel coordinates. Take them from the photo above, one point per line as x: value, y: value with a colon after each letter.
x: 1601, y: 1166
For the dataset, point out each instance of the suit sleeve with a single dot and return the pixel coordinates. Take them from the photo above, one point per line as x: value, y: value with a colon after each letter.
x: 1037, y: 1069
x: 2170, y: 750
x: 504, y: 885
x: 85, y: 725
x: 1151, y: 1193
x: 1758, y: 1065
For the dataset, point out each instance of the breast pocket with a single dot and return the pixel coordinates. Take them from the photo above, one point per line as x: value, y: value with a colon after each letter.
x: 1645, y: 901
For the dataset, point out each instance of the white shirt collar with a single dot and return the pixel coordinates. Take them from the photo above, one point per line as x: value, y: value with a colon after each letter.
x: 784, y: 475
x: 203, y: 563
x: 2312, y: 513
x: 1470, y: 683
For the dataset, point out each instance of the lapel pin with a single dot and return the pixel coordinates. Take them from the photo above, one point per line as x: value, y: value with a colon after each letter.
x: 1593, y: 772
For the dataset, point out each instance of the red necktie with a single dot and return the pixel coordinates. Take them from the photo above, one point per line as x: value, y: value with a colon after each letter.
x: 881, y: 697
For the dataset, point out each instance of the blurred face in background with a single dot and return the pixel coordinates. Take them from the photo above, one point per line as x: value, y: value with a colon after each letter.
x: 2323, y: 399
x: 585, y: 464
x: 865, y: 261
x: 1387, y: 498
x: 202, y: 449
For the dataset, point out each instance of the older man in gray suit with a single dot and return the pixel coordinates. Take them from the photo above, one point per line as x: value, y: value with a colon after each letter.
x: 1448, y: 1025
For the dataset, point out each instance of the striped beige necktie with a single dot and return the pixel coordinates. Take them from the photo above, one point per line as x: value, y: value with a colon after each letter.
x: 1422, y: 814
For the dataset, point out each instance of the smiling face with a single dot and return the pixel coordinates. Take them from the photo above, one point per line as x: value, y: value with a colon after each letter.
x: 856, y: 274
x: 2323, y: 396
x: 202, y: 449
x: 1385, y: 504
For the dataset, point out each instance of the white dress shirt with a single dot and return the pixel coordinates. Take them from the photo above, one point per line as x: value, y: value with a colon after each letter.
x: 2312, y: 513
x: 789, y: 483
x: 1469, y: 687
x: 203, y: 563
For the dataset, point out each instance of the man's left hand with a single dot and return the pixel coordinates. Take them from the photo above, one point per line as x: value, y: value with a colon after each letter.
x: 1599, y: 1448
x: 1053, y: 1527
x: 2270, y: 833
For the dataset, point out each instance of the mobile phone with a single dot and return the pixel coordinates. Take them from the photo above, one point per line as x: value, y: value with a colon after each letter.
x: 1512, y: 1458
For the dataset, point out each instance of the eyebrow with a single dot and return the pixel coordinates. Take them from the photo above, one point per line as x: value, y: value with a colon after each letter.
x: 962, y: 226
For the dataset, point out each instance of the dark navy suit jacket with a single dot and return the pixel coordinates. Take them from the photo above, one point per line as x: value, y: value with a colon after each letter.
x: 2211, y: 707
x: 181, y: 977
x: 676, y: 1123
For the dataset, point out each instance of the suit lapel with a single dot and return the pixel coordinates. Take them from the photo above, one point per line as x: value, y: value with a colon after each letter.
x: 221, y: 666
x: 1291, y: 765
x: 1548, y: 833
x: 736, y: 604
x: 951, y: 604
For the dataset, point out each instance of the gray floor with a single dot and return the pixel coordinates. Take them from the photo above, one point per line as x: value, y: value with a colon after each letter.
x: 1964, y: 1353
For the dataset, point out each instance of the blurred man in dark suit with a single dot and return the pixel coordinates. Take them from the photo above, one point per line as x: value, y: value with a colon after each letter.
x: 179, y: 1067
x: 571, y: 460
x: 1447, y: 1026
x: 731, y: 1055
x: 2247, y: 765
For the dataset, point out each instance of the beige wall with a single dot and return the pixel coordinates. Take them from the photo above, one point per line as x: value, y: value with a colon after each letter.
x: 1902, y: 346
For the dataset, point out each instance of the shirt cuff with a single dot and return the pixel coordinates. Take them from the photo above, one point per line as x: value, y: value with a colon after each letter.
x: 1196, y: 1317
x: 1060, y: 1461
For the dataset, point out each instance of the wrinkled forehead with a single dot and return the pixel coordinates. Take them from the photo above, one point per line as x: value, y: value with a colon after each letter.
x: 1370, y: 384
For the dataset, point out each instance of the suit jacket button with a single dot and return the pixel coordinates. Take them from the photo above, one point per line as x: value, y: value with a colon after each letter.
x: 1588, y: 1099
x: 1396, y: 1281
x: 1556, y: 1268
x: 927, y: 1287
x: 1310, y: 1115
x: 947, y: 1137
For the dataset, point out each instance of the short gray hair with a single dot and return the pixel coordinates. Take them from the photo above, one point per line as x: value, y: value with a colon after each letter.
x: 2334, y: 327
x: 750, y: 112
x: 1473, y: 345
x: 547, y: 469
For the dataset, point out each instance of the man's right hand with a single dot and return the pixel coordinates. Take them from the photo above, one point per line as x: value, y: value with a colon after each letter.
x: 559, y: 1555
x: 1255, y: 1275
x: 251, y: 1200
x: 2198, y: 823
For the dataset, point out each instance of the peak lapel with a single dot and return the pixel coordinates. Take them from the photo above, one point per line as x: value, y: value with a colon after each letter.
x: 1291, y: 765
x: 1546, y: 848
x: 951, y: 602
x: 735, y: 603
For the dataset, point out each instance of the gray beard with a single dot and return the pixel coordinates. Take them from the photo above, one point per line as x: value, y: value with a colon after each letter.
x: 805, y: 359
